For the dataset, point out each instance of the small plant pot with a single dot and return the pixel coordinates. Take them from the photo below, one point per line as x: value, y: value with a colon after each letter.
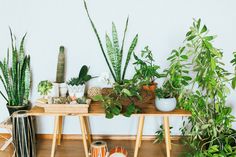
x: 12, y: 109
x: 165, y: 104
x: 55, y: 90
x: 63, y: 89
x: 76, y: 92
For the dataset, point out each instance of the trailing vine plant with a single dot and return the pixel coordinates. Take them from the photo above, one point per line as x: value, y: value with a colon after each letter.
x: 210, y: 126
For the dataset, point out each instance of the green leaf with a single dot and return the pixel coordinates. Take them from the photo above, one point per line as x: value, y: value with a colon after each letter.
x: 98, y: 98
x: 204, y: 29
x: 191, y: 37
x: 115, y: 111
x: 234, y: 83
x: 127, y: 92
x: 131, y: 50
x: 184, y: 57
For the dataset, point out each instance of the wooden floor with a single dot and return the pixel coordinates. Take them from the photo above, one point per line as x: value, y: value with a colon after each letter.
x: 74, y: 148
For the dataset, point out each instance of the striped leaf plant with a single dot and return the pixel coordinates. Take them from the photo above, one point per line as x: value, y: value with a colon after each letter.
x: 114, y: 51
x: 15, y: 74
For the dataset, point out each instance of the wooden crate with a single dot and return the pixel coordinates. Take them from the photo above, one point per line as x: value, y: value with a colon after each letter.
x: 66, y: 108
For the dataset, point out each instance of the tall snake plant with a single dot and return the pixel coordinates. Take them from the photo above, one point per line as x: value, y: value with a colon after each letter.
x: 114, y: 50
x: 16, y: 76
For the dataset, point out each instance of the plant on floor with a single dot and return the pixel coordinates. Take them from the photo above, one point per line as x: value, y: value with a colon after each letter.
x: 44, y: 87
x: 146, y: 70
x: 210, y: 132
x: 233, y: 61
x: 16, y: 76
x: 114, y: 50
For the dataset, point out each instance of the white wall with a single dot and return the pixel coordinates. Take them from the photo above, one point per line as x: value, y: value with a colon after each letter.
x: 161, y: 24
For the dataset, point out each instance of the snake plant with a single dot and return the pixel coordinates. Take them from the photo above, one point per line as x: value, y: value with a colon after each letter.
x: 114, y: 50
x: 16, y: 76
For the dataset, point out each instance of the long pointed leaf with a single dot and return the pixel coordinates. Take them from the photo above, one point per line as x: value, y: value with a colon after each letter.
x: 123, y: 40
x: 131, y: 50
x: 99, y: 41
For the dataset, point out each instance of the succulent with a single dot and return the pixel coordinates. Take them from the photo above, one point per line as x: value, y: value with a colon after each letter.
x: 82, y: 78
x: 60, y: 78
x: 16, y: 76
x: 81, y: 100
x: 44, y: 87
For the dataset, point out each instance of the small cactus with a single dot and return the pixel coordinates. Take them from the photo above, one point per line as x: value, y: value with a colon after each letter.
x: 60, y: 78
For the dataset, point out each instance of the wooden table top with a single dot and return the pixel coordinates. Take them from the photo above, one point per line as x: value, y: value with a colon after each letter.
x: 96, y: 109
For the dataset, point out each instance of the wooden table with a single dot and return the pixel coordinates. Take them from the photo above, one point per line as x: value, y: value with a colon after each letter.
x: 96, y: 109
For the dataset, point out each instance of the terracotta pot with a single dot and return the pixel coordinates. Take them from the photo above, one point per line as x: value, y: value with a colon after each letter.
x: 150, y: 87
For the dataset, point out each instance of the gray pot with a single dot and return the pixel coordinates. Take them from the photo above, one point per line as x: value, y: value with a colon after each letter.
x: 165, y: 104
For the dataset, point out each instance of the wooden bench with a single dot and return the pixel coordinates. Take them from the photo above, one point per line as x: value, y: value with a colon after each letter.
x: 96, y: 109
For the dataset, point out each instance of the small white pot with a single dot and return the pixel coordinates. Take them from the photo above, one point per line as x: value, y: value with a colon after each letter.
x: 165, y: 104
x: 63, y: 89
x: 55, y: 90
x: 76, y: 91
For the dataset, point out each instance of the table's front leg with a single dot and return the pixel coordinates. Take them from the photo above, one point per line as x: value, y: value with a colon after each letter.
x: 167, y: 135
x: 87, y: 129
x: 139, y: 135
x: 56, y: 124
x: 60, y: 127
x: 83, y: 132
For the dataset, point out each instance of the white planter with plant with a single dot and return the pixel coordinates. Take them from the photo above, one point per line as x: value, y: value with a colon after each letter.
x: 45, y: 88
x: 76, y: 85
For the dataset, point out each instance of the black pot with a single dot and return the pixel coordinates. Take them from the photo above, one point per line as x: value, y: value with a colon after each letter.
x: 12, y: 109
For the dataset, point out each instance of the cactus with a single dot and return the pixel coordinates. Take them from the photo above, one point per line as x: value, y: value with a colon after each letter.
x: 61, y: 66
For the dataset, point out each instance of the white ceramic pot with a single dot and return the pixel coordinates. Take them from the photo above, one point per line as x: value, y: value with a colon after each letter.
x: 165, y: 104
x: 76, y: 91
x: 54, y: 91
x: 63, y: 89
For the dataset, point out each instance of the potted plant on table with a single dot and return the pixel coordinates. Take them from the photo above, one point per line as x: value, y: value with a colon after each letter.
x: 16, y: 78
x: 44, y: 88
x: 146, y: 70
x: 176, y: 79
x: 76, y: 85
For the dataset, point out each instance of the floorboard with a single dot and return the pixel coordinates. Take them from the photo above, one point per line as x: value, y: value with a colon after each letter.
x: 74, y: 148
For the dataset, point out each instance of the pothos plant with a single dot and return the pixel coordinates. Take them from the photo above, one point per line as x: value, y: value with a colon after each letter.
x: 112, y: 103
x: 210, y: 127
x: 114, y: 51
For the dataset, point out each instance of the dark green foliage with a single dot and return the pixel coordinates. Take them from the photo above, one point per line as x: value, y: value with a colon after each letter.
x: 146, y: 70
x: 160, y: 134
x: 82, y: 78
x: 114, y: 51
x: 16, y: 77
x: 60, y: 78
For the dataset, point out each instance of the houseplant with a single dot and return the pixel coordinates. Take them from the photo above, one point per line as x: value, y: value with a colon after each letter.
x: 146, y: 70
x: 209, y: 129
x: 60, y: 87
x: 114, y: 54
x: 176, y: 79
x: 44, y: 88
x: 16, y: 77
x: 76, y: 85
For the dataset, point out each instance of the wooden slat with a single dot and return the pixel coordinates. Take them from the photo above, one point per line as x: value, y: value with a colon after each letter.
x: 96, y: 109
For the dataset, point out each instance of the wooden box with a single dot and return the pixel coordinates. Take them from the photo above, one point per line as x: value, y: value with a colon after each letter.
x: 66, y: 108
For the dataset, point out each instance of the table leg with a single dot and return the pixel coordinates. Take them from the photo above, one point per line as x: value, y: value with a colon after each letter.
x: 87, y: 128
x: 54, y: 136
x: 141, y: 135
x: 82, y: 126
x: 138, y: 137
x: 167, y: 135
x: 60, y: 130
